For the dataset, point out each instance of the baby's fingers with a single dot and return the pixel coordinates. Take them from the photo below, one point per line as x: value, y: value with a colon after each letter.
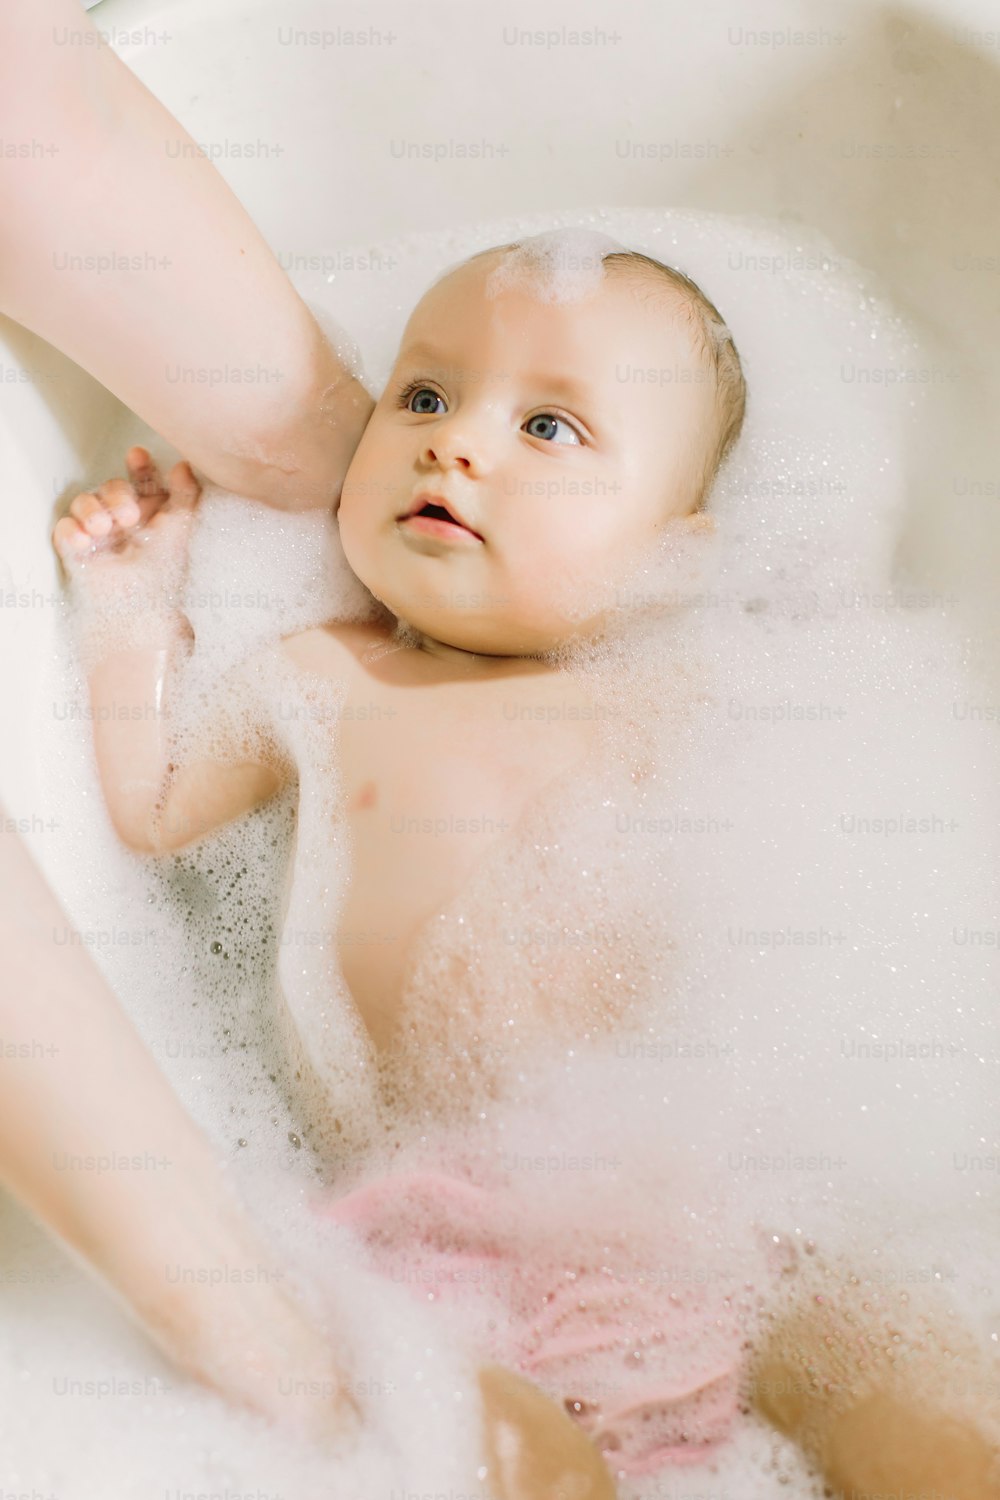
x: 120, y: 502
x: 91, y: 515
x: 183, y: 487
x: 180, y: 487
x: 143, y: 475
x: 70, y: 540
x: 94, y: 519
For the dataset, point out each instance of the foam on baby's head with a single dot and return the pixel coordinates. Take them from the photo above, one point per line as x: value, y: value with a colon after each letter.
x: 558, y: 265
x: 570, y: 265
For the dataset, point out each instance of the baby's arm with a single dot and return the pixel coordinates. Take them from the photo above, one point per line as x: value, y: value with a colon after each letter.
x: 125, y: 547
x: 831, y: 1377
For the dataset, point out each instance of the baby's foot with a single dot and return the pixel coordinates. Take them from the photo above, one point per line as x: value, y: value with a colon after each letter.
x: 128, y: 527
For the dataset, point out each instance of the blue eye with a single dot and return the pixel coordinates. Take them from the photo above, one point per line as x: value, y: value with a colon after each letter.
x: 551, y: 425
x: 424, y: 401
x: 414, y: 397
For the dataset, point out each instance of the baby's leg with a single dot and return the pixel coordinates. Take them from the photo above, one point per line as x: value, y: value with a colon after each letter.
x: 891, y: 1444
x: 533, y: 1450
x: 831, y: 1378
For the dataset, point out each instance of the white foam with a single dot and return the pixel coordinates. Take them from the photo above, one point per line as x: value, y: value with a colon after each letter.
x: 558, y: 265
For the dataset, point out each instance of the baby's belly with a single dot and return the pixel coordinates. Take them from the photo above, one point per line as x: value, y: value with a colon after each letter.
x: 497, y: 950
x: 480, y: 914
x: 407, y: 868
x: 422, y: 840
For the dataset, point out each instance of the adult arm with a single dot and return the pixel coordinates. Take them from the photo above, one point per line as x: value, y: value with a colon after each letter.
x: 80, y: 1093
x: 95, y: 171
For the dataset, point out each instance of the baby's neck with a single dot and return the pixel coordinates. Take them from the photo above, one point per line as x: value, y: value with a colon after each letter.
x: 455, y: 655
x: 468, y: 663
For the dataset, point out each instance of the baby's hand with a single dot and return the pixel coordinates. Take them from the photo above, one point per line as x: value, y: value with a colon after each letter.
x: 128, y: 527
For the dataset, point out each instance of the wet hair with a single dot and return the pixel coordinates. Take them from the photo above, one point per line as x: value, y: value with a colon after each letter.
x: 713, y: 341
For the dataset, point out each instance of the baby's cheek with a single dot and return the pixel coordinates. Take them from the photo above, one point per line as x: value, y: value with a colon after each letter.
x: 550, y: 584
x: 354, y: 530
x: 585, y: 576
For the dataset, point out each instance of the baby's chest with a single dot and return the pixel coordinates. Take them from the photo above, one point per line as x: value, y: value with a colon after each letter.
x: 423, y: 798
x: 431, y: 781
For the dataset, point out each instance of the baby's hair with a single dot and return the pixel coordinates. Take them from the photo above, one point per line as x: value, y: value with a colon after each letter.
x: 714, y: 341
x: 717, y: 345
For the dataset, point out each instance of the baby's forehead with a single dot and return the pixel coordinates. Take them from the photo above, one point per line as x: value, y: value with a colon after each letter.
x: 623, y: 306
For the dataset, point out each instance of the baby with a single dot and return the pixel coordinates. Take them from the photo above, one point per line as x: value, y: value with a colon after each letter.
x: 440, y: 519
x: 505, y: 388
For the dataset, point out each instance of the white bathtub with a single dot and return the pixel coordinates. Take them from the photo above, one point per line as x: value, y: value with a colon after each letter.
x: 880, y: 124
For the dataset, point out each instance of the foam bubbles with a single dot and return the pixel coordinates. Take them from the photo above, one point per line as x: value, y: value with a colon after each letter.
x: 559, y: 265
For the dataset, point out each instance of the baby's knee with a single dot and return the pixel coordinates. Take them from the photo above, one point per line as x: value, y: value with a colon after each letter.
x: 534, y: 1451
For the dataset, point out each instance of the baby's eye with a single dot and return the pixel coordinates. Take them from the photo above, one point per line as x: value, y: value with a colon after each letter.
x: 420, y: 399
x: 545, y: 425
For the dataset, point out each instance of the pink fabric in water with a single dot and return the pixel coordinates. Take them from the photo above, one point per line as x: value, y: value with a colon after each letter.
x: 671, y: 1401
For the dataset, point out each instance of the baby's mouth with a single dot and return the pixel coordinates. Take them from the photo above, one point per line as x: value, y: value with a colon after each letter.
x: 432, y: 516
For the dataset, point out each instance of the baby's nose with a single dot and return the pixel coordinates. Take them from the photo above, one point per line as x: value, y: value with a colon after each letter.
x: 442, y: 452
x: 459, y: 439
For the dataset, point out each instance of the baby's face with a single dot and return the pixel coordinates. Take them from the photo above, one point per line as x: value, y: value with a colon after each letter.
x: 529, y: 421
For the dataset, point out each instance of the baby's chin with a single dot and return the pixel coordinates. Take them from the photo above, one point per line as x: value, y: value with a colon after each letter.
x: 531, y: 619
